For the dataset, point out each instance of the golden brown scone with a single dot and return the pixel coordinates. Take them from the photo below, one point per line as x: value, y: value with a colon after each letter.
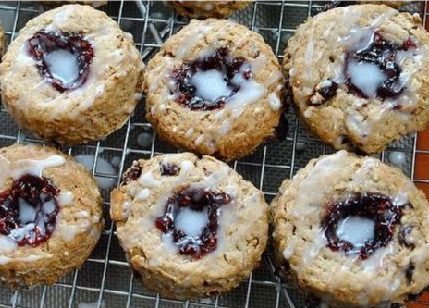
x: 214, y: 88
x: 208, y: 9
x: 71, y: 75
x: 192, y: 227
x: 2, y: 41
x: 353, y: 231
x: 392, y: 3
x: 360, y: 76
x: 50, y: 215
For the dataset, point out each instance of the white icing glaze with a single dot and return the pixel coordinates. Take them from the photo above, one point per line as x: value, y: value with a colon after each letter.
x: 311, y: 193
x: 4, y: 260
x: 199, y: 139
x: 18, y: 234
x: 319, y: 242
x: 143, y: 194
x: 191, y: 222
x: 68, y: 232
x: 27, y: 212
x: 126, y: 207
x: 168, y: 243
x: 35, y: 167
x: 31, y: 217
x: 274, y: 101
x: 359, y: 126
x: 211, y: 181
x: 63, y: 65
x: 366, y: 76
x: 308, y: 113
x: 189, y: 132
x: 290, y: 248
x: 250, y: 92
x: 29, y: 258
x: 147, y: 180
x: 356, y: 230
x: 82, y: 214
x: 185, y: 167
x: 358, y: 39
x: 401, y: 198
x: 193, y: 38
x: 65, y: 198
x: 383, y: 17
x: 376, y: 260
x: 210, y: 85
x: 33, y: 258
x: 62, y: 16
x: 7, y: 245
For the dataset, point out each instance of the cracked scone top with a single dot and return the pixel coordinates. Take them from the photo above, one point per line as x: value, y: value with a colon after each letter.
x: 192, y: 227
x: 353, y: 231
x: 50, y: 215
x: 71, y: 75
x: 214, y: 88
x: 359, y: 75
x: 207, y: 9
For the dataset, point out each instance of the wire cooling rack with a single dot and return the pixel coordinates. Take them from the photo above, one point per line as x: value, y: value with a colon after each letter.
x: 106, y: 280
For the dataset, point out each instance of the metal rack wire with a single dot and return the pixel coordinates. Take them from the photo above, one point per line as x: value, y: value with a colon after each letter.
x: 106, y: 280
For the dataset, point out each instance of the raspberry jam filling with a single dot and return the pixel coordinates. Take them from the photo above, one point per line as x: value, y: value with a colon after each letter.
x: 207, y: 83
x: 169, y: 169
x: 361, y: 224
x: 28, y: 211
x: 323, y: 92
x: 373, y: 71
x: 132, y: 174
x: 191, y: 219
x: 63, y: 59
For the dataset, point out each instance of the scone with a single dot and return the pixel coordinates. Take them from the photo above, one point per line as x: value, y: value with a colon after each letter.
x: 192, y: 227
x: 353, y: 231
x: 207, y: 9
x: 214, y: 88
x: 360, y: 76
x: 391, y: 3
x: 50, y: 215
x: 71, y: 75
x: 2, y: 41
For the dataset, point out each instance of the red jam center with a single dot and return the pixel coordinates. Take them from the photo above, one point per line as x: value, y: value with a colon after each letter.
x: 370, y: 72
x: 28, y: 210
x: 196, y: 203
x: 382, y: 54
x: 63, y: 59
x: 207, y: 83
x: 373, y: 206
x: 169, y: 169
